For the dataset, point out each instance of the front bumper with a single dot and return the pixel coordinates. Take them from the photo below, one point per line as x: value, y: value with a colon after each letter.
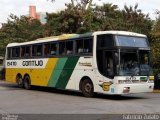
x: 133, y: 88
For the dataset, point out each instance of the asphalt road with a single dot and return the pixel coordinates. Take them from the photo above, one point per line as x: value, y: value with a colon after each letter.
x: 41, y: 100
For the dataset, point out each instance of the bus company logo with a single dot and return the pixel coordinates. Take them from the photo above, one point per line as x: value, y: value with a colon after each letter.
x: 32, y: 63
x: 85, y: 64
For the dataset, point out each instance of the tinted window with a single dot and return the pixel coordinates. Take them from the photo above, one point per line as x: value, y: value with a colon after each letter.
x: 37, y: 50
x: 53, y: 49
x: 104, y: 41
x: 26, y: 51
x: 84, y: 46
x: 79, y: 46
x: 88, y: 45
x: 15, y: 52
x: 69, y: 47
x: 62, y: 49
x: 47, y: 49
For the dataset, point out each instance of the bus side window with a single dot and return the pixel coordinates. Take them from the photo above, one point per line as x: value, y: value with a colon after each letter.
x: 88, y: 45
x: 28, y: 51
x: 62, y: 49
x: 25, y: 51
x: 46, y: 49
x: 15, y: 52
x: 37, y: 50
x: 53, y: 49
x: 69, y: 47
x: 105, y: 41
x: 84, y: 46
x: 22, y: 51
x: 79, y: 46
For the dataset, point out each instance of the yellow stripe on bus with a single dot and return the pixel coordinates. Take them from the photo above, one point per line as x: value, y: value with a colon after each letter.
x: 41, y: 76
x: 38, y: 76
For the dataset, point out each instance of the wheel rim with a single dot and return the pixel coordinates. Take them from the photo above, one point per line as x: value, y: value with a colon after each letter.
x: 88, y: 88
x: 20, y: 81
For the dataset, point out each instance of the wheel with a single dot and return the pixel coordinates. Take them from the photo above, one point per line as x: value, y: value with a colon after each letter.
x: 19, y: 81
x: 27, y: 83
x: 87, y: 88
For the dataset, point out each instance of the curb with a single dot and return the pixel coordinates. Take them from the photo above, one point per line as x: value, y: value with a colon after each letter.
x: 156, y: 91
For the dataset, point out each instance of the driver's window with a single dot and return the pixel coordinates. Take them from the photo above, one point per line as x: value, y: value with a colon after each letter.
x: 144, y: 59
x: 144, y: 63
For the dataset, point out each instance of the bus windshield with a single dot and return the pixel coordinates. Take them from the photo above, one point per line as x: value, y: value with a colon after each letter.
x: 134, y: 63
x: 130, y: 41
x: 121, y: 55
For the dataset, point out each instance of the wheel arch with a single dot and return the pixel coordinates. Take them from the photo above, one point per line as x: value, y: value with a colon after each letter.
x: 26, y: 75
x: 18, y: 75
x: 81, y: 81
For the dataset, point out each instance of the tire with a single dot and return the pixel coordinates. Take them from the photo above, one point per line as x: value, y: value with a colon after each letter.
x: 27, y: 83
x: 87, y: 88
x: 19, y: 81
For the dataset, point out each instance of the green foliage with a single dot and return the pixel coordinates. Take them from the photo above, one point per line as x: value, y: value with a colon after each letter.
x: 71, y: 20
x: 135, y: 20
x: 76, y: 18
x: 155, y: 43
x: 106, y: 17
x: 19, y: 30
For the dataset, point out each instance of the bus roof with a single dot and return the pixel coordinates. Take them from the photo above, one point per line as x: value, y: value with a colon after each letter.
x: 120, y: 33
x: 72, y: 36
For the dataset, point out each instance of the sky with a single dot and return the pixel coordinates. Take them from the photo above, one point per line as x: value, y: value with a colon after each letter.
x: 21, y: 7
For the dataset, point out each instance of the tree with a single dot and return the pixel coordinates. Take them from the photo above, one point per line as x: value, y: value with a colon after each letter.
x: 105, y: 17
x: 155, y: 43
x: 20, y: 29
x: 70, y: 20
x: 135, y: 20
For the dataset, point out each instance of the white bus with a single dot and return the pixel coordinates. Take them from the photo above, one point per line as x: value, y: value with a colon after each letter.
x: 108, y: 62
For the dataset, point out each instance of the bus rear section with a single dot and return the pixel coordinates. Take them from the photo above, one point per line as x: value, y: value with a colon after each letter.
x: 54, y: 62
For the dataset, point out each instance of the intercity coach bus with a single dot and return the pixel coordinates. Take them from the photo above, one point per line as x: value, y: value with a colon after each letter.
x: 107, y: 62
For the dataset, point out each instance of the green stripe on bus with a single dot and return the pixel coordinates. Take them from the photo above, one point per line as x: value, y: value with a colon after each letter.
x: 67, y: 72
x: 57, y: 72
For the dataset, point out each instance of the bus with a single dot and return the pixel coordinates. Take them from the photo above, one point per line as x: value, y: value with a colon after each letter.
x: 107, y: 62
